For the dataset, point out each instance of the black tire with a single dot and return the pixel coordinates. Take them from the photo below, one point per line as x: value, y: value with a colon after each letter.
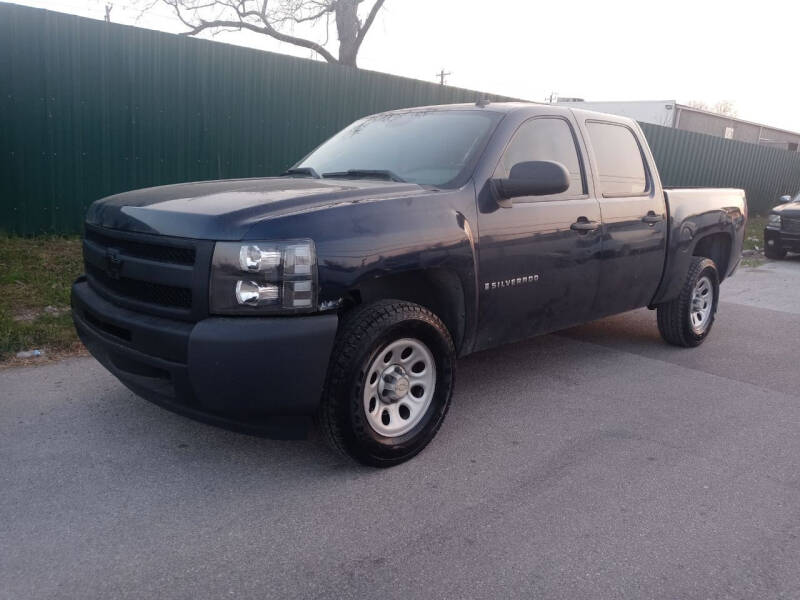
x: 774, y: 253
x: 363, y: 334
x: 675, y: 317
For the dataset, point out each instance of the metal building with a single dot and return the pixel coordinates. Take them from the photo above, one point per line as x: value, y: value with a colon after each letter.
x: 668, y: 113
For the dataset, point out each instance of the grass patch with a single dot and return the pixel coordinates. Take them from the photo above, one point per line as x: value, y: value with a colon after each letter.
x: 35, y: 279
x: 754, y: 234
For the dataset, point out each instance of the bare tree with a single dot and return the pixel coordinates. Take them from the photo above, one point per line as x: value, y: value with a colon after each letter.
x: 725, y: 107
x: 698, y: 104
x: 277, y: 19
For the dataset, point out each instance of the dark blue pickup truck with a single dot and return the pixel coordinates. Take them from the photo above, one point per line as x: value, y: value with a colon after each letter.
x: 346, y: 288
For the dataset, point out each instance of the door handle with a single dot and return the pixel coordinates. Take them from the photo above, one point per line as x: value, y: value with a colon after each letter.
x: 584, y: 225
x: 651, y: 218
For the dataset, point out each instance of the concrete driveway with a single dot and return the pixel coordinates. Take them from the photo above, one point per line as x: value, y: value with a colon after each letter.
x: 596, y: 463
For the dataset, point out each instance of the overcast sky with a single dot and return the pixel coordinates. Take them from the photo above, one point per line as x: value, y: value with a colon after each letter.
x: 708, y: 50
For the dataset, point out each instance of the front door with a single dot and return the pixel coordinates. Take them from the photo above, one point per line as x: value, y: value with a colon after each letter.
x: 539, y: 259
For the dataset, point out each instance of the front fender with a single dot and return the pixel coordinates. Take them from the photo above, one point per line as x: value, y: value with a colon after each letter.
x: 361, y: 243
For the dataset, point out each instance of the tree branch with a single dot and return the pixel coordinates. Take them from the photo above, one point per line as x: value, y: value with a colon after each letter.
x: 368, y: 23
x: 312, y: 17
x: 277, y: 18
x: 267, y: 29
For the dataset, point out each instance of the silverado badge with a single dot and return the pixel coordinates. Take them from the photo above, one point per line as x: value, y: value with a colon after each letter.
x: 493, y: 285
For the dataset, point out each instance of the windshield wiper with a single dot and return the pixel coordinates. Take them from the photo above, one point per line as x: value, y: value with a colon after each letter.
x: 365, y: 174
x: 302, y: 171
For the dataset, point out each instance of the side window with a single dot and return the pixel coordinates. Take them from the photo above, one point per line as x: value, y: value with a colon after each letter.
x: 545, y: 139
x: 619, y: 160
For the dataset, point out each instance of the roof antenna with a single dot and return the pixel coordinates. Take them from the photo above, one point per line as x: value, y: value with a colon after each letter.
x: 482, y: 102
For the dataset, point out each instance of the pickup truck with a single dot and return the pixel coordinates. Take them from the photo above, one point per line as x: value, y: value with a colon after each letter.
x: 346, y: 288
x: 782, y: 232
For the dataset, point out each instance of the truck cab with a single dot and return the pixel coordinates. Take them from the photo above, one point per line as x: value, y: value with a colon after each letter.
x: 594, y: 249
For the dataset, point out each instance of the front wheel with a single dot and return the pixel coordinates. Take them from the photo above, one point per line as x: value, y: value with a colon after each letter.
x: 774, y: 253
x: 389, y: 382
x: 687, y: 320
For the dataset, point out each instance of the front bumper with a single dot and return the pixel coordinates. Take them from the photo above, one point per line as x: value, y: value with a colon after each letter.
x: 258, y: 375
x: 778, y: 238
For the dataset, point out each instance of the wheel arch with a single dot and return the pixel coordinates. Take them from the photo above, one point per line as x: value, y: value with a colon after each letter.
x: 439, y: 289
x: 716, y: 244
x: 717, y: 247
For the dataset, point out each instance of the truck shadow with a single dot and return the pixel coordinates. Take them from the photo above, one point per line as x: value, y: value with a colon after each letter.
x: 171, y: 441
x: 195, y: 447
x: 790, y: 259
x: 533, y: 375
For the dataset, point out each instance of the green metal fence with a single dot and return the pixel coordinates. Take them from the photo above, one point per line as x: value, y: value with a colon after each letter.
x: 89, y: 109
x: 688, y: 159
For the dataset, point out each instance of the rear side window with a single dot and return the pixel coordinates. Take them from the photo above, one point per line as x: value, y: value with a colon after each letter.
x: 619, y: 160
x: 545, y: 139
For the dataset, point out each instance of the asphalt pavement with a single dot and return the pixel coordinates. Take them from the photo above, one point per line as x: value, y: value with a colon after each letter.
x: 595, y: 463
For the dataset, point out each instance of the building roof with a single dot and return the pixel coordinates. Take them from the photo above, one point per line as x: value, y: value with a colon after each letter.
x: 734, y: 118
x: 686, y: 107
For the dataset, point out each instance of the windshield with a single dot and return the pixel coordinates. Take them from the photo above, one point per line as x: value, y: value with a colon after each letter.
x: 436, y: 147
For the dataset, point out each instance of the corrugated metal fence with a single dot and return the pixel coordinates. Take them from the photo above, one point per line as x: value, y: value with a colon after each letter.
x: 688, y: 159
x: 89, y: 109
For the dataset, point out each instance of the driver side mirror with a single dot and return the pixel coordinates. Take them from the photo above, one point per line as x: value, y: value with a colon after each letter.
x: 531, y: 178
x: 784, y: 199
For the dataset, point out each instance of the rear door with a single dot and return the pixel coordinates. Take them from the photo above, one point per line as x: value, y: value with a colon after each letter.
x: 538, y: 271
x: 634, y: 217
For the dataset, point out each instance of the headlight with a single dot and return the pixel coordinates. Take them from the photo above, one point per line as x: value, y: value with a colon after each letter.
x: 774, y: 221
x: 263, y: 277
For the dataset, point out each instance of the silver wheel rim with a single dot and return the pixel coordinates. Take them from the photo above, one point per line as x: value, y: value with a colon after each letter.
x: 399, y: 387
x: 702, y: 304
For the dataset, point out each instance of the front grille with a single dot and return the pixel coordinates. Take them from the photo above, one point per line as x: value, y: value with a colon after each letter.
x: 142, y: 291
x: 162, y: 253
x: 160, y: 275
x: 790, y: 225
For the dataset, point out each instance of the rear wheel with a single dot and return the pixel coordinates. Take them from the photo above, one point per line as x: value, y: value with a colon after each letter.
x: 687, y: 320
x: 389, y: 383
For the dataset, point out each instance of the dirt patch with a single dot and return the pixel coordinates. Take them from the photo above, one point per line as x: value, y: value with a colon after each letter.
x: 31, y: 314
x: 48, y: 356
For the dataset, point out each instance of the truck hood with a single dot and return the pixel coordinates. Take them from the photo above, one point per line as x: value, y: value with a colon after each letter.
x: 225, y: 210
x: 790, y: 209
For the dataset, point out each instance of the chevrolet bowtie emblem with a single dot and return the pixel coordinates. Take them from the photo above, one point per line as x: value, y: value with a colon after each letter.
x: 113, y: 263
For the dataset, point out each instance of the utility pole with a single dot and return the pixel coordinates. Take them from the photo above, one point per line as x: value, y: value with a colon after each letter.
x: 109, y: 6
x: 441, y: 75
